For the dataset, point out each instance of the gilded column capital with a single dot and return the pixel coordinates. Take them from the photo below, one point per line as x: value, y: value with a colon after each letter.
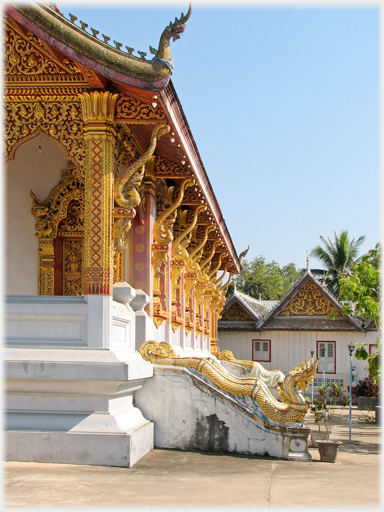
x: 98, y: 107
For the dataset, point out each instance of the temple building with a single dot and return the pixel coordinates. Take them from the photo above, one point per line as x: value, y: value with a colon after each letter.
x: 118, y: 262
x: 108, y: 205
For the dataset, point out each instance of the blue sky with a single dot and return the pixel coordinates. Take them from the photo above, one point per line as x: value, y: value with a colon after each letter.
x: 283, y: 103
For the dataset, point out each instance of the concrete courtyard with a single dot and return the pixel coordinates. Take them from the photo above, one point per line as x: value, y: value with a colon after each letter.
x: 167, y: 478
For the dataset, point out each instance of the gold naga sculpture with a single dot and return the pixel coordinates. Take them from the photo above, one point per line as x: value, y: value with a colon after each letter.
x: 271, y: 377
x: 292, y: 407
x: 125, y: 191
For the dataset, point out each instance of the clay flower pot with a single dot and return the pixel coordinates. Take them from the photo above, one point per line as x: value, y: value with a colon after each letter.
x: 328, y: 450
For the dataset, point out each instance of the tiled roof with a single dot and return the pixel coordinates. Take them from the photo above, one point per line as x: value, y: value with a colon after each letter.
x: 256, y: 305
x: 309, y: 323
x: 270, y: 304
x: 236, y: 325
x: 266, y: 313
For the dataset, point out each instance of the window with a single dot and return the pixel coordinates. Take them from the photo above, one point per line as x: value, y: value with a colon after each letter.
x: 329, y: 358
x: 372, y: 348
x: 261, y: 350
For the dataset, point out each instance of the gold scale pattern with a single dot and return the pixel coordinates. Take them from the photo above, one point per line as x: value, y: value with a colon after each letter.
x: 292, y: 409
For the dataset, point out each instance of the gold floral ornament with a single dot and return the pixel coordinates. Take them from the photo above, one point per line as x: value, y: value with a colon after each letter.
x: 55, y: 120
x: 26, y: 59
x: 236, y: 313
x: 308, y: 302
x: 128, y: 109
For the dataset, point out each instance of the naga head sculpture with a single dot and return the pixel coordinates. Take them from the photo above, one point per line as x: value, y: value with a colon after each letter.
x: 297, y: 379
x: 174, y: 30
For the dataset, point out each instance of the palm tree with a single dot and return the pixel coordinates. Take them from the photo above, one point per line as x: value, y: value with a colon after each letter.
x: 338, y: 258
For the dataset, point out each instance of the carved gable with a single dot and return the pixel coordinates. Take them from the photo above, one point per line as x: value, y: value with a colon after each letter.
x: 308, y: 302
x: 27, y: 60
x: 237, y: 313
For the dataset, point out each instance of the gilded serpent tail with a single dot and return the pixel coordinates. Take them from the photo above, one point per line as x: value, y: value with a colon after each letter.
x: 120, y: 198
x: 292, y: 411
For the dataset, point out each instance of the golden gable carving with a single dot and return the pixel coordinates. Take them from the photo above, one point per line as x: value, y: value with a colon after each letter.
x: 26, y: 60
x: 236, y: 313
x: 308, y: 302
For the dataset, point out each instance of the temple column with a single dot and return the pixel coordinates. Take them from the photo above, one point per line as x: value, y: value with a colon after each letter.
x: 98, y: 110
x: 140, y: 271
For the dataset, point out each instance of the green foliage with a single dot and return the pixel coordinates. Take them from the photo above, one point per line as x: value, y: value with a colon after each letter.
x: 328, y: 401
x: 362, y: 287
x: 267, y: 279
x: 338, y: 258
x: 362, y: 291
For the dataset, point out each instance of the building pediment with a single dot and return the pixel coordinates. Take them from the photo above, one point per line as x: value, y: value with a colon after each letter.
x: 236, y: 313
x: 308, y: 306
x: 27, y: 60
x: 309, y: 301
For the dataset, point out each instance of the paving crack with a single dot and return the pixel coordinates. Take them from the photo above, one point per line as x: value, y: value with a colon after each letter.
x: 270, y: 484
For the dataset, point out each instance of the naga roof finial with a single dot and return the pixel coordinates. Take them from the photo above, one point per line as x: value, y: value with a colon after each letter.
x: 244, y: 253
x: 172, y: 31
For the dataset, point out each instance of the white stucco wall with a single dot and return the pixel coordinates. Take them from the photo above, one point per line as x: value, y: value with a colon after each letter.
x: 290, y: 348
x: 189, y: 413
x: 29, y: 170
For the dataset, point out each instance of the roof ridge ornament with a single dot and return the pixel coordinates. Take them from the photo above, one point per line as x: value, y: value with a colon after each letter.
x: 172, y: 31
x: 244, y: 253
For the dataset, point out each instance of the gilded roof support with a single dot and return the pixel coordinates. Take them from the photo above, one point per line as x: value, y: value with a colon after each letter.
x: 126, y: 194
x: 179, y: 257
x: 98, y: 109
x: 163, y: 236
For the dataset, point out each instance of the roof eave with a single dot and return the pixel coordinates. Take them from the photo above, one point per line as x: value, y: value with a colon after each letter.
x: 78, y: 45
x: 172, y: 105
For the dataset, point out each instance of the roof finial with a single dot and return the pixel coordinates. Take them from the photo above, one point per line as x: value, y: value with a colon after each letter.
x: 307, y: 262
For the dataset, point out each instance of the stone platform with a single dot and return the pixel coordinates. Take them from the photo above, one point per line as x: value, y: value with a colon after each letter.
x: 165, y: 478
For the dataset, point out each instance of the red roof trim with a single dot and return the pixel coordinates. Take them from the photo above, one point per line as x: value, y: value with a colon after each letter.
x: 173, y: 107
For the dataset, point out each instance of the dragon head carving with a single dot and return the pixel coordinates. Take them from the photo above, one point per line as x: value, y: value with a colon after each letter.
x: 295, y: 380
x: 177, y: 28
x: 172, y: 31
x: 152, y: 350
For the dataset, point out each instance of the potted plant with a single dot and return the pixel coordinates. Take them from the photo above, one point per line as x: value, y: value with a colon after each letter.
x: 318, y: 409
x: 329, y: 402
x: 367, y: 392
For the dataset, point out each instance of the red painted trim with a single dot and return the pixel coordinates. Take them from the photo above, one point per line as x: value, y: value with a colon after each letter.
x: 270, y: 351
x: 370, y: 347
x: 320, y: 358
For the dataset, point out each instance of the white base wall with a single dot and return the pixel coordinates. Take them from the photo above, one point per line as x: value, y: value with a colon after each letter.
x: 103, y: 449
x: 71, y: 372
x: 189, y: 414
